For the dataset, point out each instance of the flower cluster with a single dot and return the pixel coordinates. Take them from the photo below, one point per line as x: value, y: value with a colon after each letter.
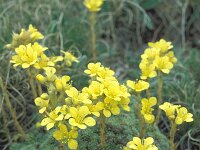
x: 176, y: 113
x: 30, y: 54
x: 68, y: 109
x: 93, y: 5
x: 158, y: 57
x: 25, y: 37
x: 105, y: 91
x: 138, y: 144
x: 147, y: 109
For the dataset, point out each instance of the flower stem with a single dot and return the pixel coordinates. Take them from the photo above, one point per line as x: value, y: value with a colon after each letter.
x: 11, y: 109
x: 140, y: 117
x: 93, y: 35
x: 39, y: 88
x: 102, y: 132
x: 172, y: 135
x: 159, y: 94
x: 148, y: 92
x: 31, y: 82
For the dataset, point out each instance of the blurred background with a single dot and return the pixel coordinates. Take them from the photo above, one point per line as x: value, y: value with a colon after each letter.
x: 123, y: 28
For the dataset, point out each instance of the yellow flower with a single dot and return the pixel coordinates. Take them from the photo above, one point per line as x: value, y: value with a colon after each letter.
x: 105, y: 73
x: 25, y: 37
x: 113, y: 91
x: 183, y: 115
x: 150, y: 54
x: 163, y: 45
x: 93, y: 5
x: 95, y: 89
x: 61, y: 83
x: 110, y: 106
x: 65, y: 136
x: 42, y: 102
x: 163, y: 64
x: 79, y: 117
x: 69, y: 58
x: 138, y: 144
x: 34, y: 33
x: 147, y: 109
x: 148, y: 70
x: 56, y: 59
x: 95, y: 109
x: 138, y: 86
x: 124, y: 102
x: 76, y: 97
x: 25, y: 56
x: 171, y: 56
x: 169, y: 109
x: 93, y: 69
x: 43, y: 62
x: 50, y: 75
x: 52, y: 118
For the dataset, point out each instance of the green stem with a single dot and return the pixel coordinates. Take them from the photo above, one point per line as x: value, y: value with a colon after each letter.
x: 172, y: 135
x: 11, y: 109
x: 93, y: 35
x: 159, y: 94
x: 31, y: 82
x: 102, y: 132
x: 39, y: 88
x: 140, y: 117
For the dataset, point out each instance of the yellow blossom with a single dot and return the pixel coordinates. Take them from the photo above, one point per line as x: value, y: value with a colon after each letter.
x: 43, y: 62
x: 25, y: 56
x: 62, y: 134
x: 105, y: 73
x: 93, y: 69
x: 169, y: 109
x: 150, y: 54
x: 50, y: 75
x: 163, y: 64
x: 69, y: 58
x: 42, y: 102
x: 95, y: 109
x: 95, y: 89
x: 147, y: 109
x: 124, y: 102
x: 110, y: 107
x: 148, y: 70
x: 61, y: 83
x: 113, y: 91
x: 79, y: 117
x: 138, y: 144
x: 76, y: 97
x: 138, y: 85
x: 162, y: 45
x: 93, y: 5
x: 25, y: 37
x: 35, y: 34
x: 171, y: 57
x: 52, y: 118
x: 183, y: 115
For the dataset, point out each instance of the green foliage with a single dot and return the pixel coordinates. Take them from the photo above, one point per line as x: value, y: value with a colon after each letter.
x: 120, y: 129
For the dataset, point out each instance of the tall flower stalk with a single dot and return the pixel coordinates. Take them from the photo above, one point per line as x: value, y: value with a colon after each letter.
x: 93, y: 35
x: 177, y: 115
x: 94, y: 6
x: 159, y: 94
x: 31, y: 82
